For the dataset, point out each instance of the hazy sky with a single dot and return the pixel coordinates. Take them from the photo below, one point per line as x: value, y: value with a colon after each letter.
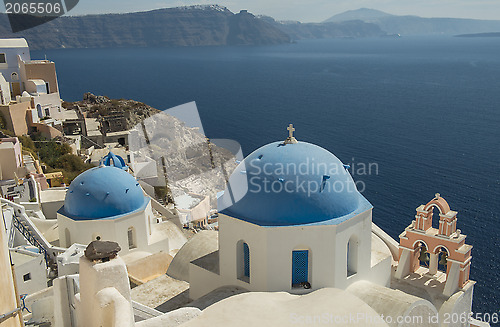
x: 310, y: 10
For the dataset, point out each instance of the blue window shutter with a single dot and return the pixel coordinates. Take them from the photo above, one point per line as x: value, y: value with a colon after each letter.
x: 300, y: 266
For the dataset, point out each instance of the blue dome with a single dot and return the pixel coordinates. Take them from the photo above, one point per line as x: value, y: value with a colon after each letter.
x: 112, y: 160
x: 292, y: 184
x: 103, y: 193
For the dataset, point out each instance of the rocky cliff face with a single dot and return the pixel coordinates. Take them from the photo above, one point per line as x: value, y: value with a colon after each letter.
x: 189, y: 161
x: 298, y: 30
x: 183, y: 26
x: 246, y: 29
x: 100, y: 106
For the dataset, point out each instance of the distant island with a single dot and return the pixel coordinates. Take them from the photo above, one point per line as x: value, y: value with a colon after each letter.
x: 199, y: 25
x: 214, y: 25
x: 414, y: 25
x: 493, y: 34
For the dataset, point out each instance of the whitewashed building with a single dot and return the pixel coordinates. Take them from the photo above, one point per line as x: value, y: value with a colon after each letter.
x: 292, y: 220
x: 107, y: 203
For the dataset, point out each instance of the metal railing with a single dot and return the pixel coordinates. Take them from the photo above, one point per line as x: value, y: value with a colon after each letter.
x: 31, y: 233
x: 30, y: 238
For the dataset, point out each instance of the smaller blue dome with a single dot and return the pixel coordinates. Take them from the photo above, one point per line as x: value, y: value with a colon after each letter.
x: 103, y: 193
x: 112, y: 160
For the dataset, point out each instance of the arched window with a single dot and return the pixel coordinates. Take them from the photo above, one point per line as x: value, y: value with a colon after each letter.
x: 131, y: 238
x: 243, y: 261
x: 246, y: 260
x: 14, y: 76
x: 300, y: 269
x: 352, y: 256
x: 39, y: 111
x: 435, y: 217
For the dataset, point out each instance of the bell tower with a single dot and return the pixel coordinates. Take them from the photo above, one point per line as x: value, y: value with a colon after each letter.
x: 435, y: 251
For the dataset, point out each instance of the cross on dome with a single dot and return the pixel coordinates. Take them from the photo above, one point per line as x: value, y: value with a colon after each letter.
x: 290, y: 139
x: 290, y: 130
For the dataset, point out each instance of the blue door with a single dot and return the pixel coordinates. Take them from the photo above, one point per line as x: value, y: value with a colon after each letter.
x: 300, y: 266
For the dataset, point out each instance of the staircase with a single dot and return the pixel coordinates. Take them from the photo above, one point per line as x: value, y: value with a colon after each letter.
x: 30, y: 232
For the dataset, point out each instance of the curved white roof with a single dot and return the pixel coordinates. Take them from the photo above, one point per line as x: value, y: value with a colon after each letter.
x: 13, y: 43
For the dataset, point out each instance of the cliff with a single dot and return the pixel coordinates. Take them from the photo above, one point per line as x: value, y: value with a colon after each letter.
x: 192, y: 162
x: 345, y: 29
x: 182, y: 26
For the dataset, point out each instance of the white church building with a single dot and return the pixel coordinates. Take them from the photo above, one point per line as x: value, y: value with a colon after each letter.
x: 292, y: 220
x: 107, y: 203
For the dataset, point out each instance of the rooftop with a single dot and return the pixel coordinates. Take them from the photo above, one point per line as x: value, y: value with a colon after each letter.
x: 188, y: 201
x: 20, y: 257
x: 13, y: 43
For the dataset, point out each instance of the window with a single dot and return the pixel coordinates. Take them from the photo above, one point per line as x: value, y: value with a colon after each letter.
x: 243, y: 261
x: 47, y: 112
x: 131, y: 238
x: 246, y: 260
x: 300, y: 268
x: 14, y: 76
x: 352, y: 256
x: 3, y: 60
x: 27, y: 277
x: 39, y: 111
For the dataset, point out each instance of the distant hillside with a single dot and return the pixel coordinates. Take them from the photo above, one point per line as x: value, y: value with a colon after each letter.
x: 364, y: 14
x: 414, y: 25
x: 480, y: 35
x: 182, y: 26
x: 352, y: 28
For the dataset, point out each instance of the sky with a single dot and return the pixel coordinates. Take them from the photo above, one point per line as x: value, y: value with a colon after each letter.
x: 309, y: 10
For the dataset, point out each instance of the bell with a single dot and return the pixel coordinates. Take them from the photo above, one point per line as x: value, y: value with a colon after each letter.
x: 423, y: 255
x: 442, y: 260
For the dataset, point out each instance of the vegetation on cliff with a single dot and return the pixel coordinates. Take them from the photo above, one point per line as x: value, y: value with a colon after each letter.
x: 55, y: 154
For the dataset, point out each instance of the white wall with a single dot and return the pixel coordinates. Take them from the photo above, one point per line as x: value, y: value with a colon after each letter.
x: 86, y: 231
x: 5, y: 88
x: 271, y: 256
x: 12, y: 63
x: 104, y: 294
x: 52, y: 102
x: 36, y: 269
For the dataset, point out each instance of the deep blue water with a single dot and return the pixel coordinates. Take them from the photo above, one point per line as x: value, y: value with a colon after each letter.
x: 425, y: 110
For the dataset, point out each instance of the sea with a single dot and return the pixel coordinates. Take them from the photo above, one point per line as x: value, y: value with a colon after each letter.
x: 412, y: 116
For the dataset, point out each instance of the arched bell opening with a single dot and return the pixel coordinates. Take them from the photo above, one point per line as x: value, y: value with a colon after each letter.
x: 435, y: 217
x: 423, y: 255
x: 442, y: 257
